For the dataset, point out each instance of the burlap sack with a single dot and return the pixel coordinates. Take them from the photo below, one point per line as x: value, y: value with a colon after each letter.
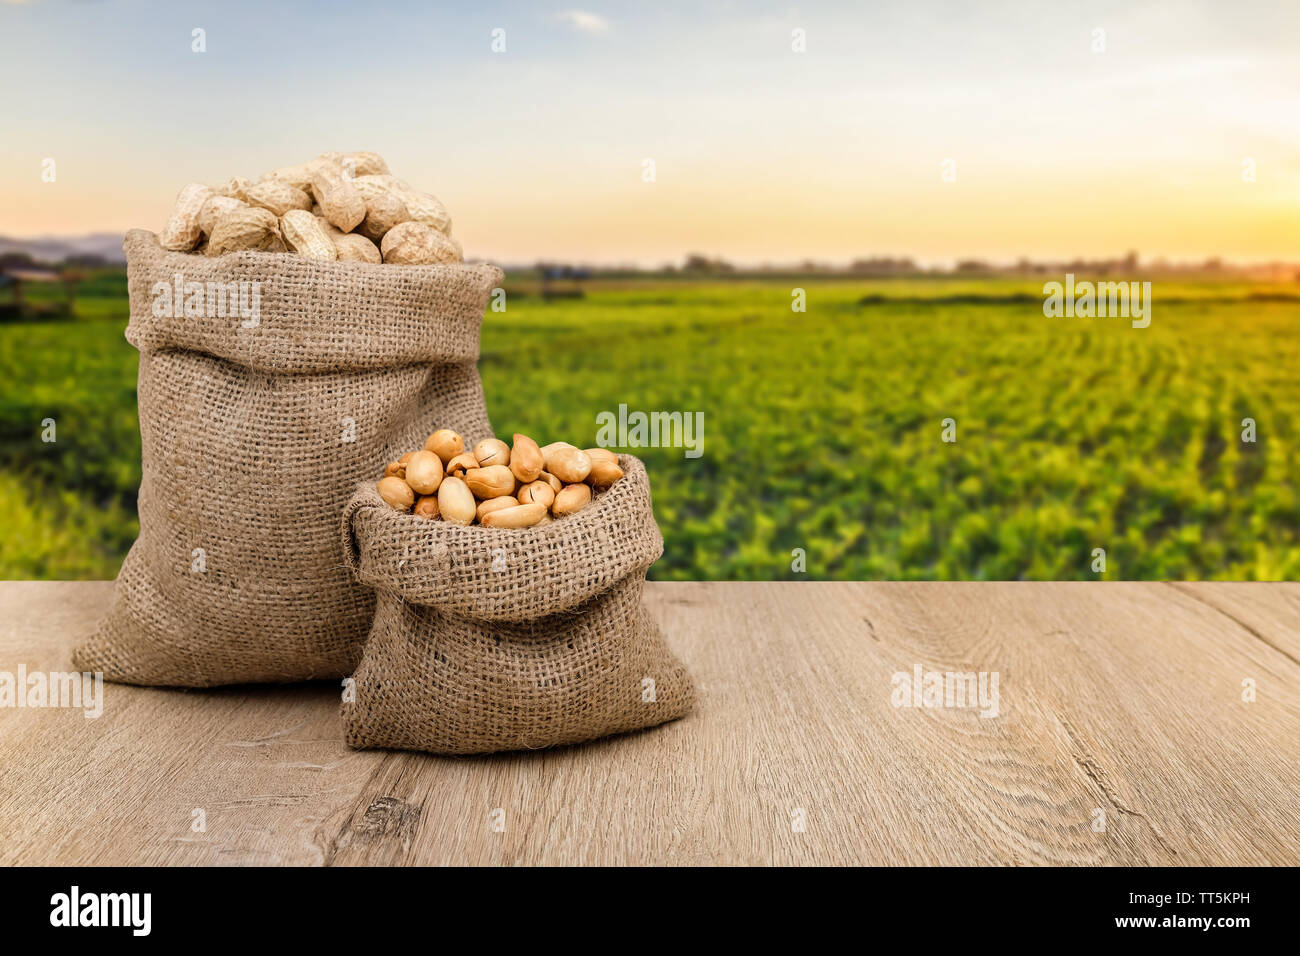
x: 490, y: 639
x: 253, y: 440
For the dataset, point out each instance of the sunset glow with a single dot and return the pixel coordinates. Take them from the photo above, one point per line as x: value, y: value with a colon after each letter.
x: 760, y: 153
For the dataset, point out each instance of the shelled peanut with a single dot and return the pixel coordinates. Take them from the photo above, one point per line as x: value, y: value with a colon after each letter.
x: 344, y: 206
x: 494, y: 484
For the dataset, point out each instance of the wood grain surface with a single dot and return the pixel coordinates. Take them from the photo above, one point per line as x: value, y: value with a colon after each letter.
x: 1118, y: 703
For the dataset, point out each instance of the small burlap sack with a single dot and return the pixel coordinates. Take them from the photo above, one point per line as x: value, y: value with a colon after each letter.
x: 255, y: 432
x: 489, y: 639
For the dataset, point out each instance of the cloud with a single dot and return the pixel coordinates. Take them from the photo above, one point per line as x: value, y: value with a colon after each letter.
x: 584, y: 20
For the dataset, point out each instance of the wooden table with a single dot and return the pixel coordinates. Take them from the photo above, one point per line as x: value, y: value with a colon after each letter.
x: 1122, y: 737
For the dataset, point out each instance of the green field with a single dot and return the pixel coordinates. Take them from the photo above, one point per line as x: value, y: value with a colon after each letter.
x: 822, y: 430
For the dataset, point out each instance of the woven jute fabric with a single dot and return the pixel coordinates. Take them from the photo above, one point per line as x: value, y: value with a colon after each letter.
x: 490, y: 639
x: 255, y: 433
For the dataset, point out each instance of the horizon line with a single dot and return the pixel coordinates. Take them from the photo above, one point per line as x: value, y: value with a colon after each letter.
x: 803, y: 263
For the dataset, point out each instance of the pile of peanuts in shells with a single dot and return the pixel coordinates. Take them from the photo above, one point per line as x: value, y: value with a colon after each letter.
x: 338, y: 206
x: 495, y: 484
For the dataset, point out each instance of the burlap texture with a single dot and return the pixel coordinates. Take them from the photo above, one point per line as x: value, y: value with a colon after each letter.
x: 246, y: 456
x: 490, y: 639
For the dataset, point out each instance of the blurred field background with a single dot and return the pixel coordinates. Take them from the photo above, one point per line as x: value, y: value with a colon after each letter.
x: 821, y: 429
x: 920, y: 169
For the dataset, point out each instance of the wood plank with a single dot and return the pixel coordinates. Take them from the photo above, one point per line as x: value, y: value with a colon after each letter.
x: 121, y: 789
x: 1268, y: 612
x: 1125, y: 698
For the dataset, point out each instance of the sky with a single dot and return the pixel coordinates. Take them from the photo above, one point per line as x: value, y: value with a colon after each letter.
x: 934, y: 130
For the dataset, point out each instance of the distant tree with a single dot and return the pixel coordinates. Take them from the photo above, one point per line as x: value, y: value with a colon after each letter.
x: 17, y: 260
x: 883, y: 266
x: 85, y: 260
x: 695, y: 262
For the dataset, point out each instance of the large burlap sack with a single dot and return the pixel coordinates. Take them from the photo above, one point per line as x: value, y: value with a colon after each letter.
x: 489, y: 639
x: 253, y: 440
